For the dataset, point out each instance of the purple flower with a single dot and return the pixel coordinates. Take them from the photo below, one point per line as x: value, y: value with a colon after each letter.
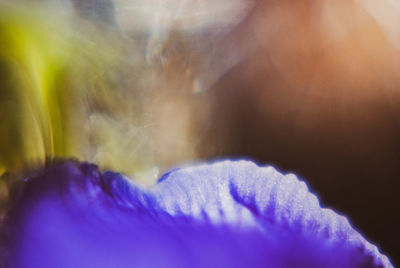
x: 227, y: 214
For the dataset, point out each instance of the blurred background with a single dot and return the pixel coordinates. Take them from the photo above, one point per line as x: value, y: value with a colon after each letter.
x: 311, y: 87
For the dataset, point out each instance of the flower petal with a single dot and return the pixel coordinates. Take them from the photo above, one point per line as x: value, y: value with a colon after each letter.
x: 227, y: 214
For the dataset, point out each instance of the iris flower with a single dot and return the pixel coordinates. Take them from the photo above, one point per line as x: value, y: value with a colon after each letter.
x: 223, y: 214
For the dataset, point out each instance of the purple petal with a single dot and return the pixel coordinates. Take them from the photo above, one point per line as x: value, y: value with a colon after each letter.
x: 227, y: 214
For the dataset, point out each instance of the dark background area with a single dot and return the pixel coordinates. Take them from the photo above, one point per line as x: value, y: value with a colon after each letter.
x: 352, y: 168
x: 326, y: 110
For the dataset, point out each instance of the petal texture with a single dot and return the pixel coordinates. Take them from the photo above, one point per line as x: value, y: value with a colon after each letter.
x: 226, y: 214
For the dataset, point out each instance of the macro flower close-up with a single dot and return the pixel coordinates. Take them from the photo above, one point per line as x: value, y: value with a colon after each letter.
x: 226, y: 214
x: 199, y: 133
